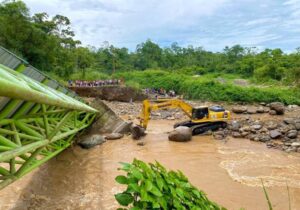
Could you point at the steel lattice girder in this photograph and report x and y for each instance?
(30, 138)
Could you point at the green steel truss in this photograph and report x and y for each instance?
(41, 127)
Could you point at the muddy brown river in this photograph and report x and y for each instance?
(230, 172)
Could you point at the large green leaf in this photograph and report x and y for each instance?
(155, 191)
(124, 199)
(135, 208)
(148, 185)
(180, 192)
(121, 179)
(160, 183)
(125, 166)
(137, 174)
(135, 187)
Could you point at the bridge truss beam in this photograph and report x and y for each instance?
(40, 128)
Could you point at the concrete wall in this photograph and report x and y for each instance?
(107, 121)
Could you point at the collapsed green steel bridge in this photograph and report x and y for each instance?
(39, 118)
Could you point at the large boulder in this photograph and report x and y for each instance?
(297, 125)
(264, 138)
(90, 141)
(219, 135)
(260, 109)
(293, 106)
(286, 128)
(289, 121)
(271, 125)
(278, 107)
(292, 134)
(295, 144)
(274, 134)
(239, 109)
(236, 135)
(137, 132)
(181, 134)
(251, 110)
(235, 125)
(166, 114)
(256, 127)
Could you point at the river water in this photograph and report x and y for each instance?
(230, 172)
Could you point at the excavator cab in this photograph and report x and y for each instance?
(200, 113)
(205, 113)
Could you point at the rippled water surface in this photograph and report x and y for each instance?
(229, 172)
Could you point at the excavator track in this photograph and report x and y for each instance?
(199, 128)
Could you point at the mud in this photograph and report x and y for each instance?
(230, 172)
(111, 93)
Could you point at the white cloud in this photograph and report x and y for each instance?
(261, 21)
(212, 24)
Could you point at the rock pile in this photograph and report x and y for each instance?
(275, 108)
(250, 110)
(284, 135)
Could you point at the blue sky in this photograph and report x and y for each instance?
(212, 24)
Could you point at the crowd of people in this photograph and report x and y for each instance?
(95, 83)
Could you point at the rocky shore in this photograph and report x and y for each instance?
(276, 125)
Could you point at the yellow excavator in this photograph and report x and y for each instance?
(202, 118)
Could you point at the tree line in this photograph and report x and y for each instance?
(48, 43)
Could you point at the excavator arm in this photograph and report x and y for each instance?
(148, 107)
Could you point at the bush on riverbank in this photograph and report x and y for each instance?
(89, 76)
(207, 88)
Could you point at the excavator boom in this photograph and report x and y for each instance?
(162, 104)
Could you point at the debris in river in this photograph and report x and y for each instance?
(90, 141)
(114, 136)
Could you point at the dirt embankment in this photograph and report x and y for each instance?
(111, 93)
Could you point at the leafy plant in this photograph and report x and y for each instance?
(151, 186)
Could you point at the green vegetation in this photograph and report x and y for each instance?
(207, 87)
(90, 75)
(151, 186)
(48, 43)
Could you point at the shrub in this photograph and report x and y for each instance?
(151, 186)
(133, 84)
(207, 88)
(89, 75)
